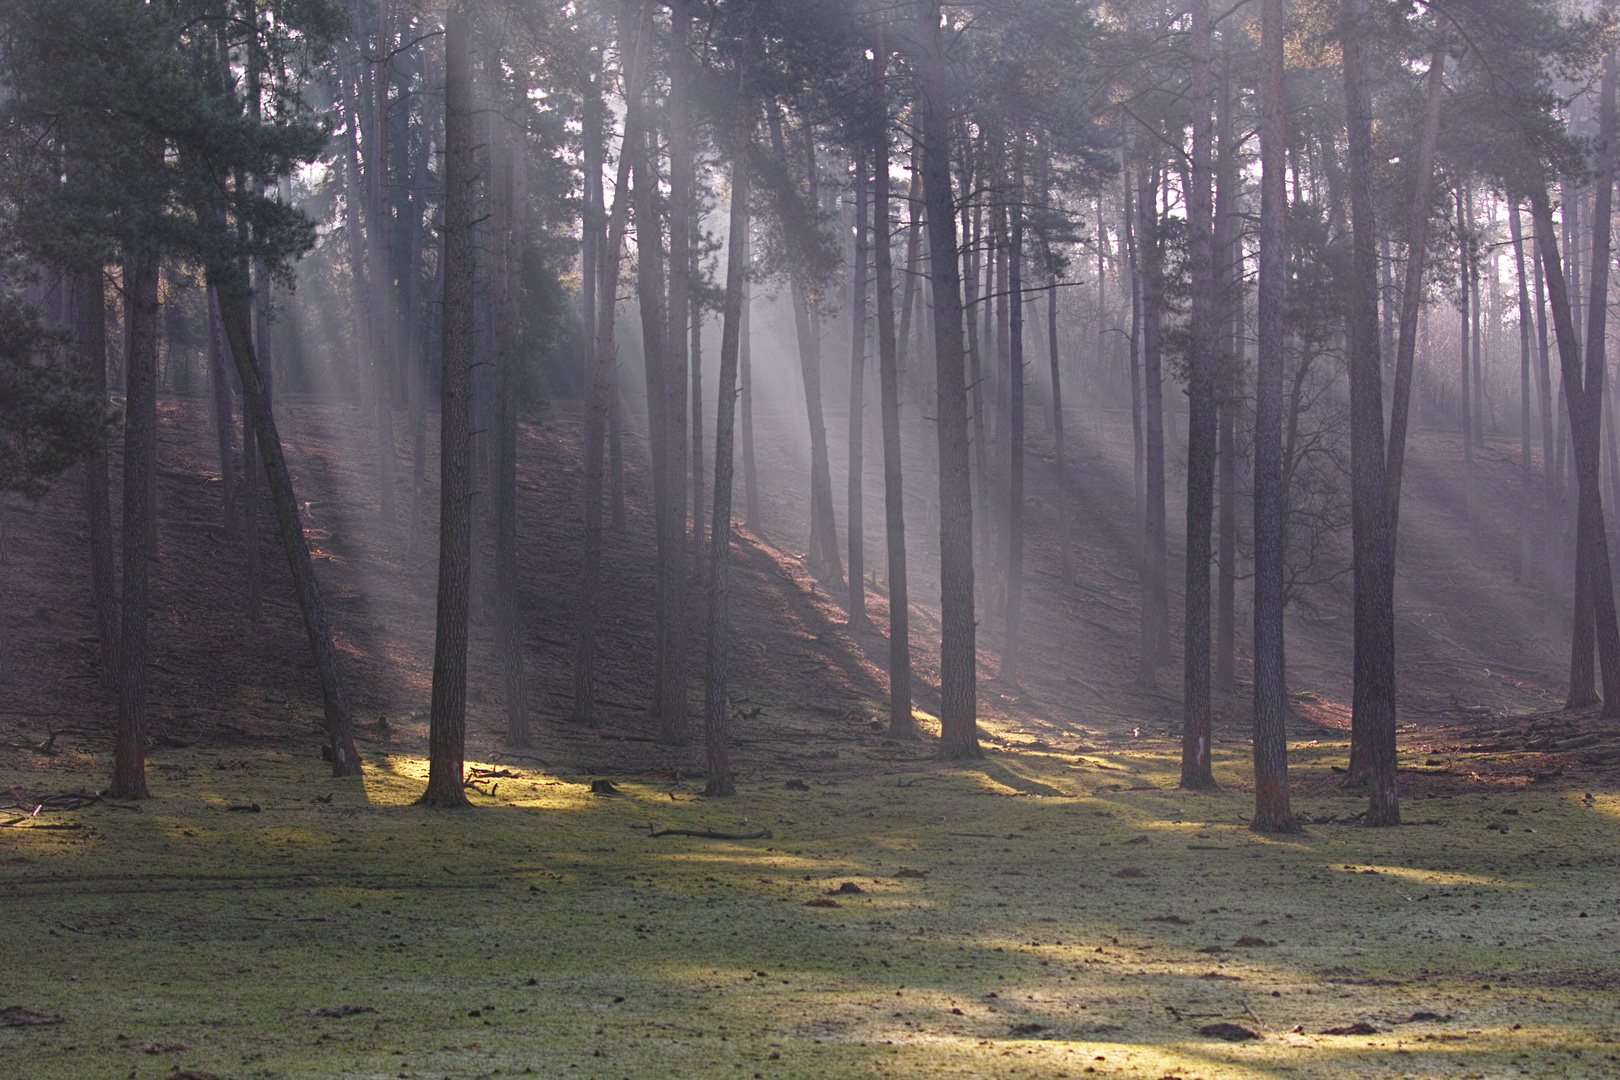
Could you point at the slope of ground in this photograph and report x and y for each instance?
(1075, 912)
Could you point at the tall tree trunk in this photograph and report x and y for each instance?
(826, 562)
(508, 165)
(1229, 308)
(418, 326)
(716, 706)
(959, 729)
(141, 311)
(663, 446)
(447, 726)
(603, 396)
(1551, 573)
(972, 217)
(368, 363)
(1466, 340)
(699, 484)
(1201, 421)
(1478, 351)
(672, 697)
(1594, 588)
(1373, 691)
(857, 406)
(1138, 451)
(752, 518)
(1527, 498)
(1272, 811)
(383, 295)
(224, 415)
(90, 330)
(902, 724)
(1064, 495)
(1013, 620)
(1417, 240)
(1155, 590)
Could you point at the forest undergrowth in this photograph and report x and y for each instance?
(1057, 910)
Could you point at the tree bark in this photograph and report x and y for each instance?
(826, 563)
(1013, 620)
(902, 724)
(1229, 302)
(141, 311)
(603, 393)
(224, 415)
(90, 330)
(1466, 340)
(1594, 615)
(1064, 496)
(672, 697)
(959, 729)
(1201, 422)
(383, 295)
(972, 218)
(699, 484)
(1138, 450)
(1551, 559)
(666, 424)
(1527, 496)
(716, 705)
(1155, 591)
(752, 518)
(448, 717)
(1373, 686)
(508, 151)
(857, 406)
(1272, 810)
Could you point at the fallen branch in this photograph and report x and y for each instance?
(710, 834)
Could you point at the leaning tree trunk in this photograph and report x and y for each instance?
(1201, 424)
(1272, 812)
(959, 728)
(902, 724)
(447, 725)
(1550, 573)
(716, 706)
(141, 309)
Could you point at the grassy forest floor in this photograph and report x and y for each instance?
(1059, 909)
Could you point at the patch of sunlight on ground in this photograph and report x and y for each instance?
(994, 934)
(1429, 877)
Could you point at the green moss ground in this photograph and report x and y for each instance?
(543, 932)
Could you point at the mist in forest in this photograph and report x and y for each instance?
(1279, 331)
